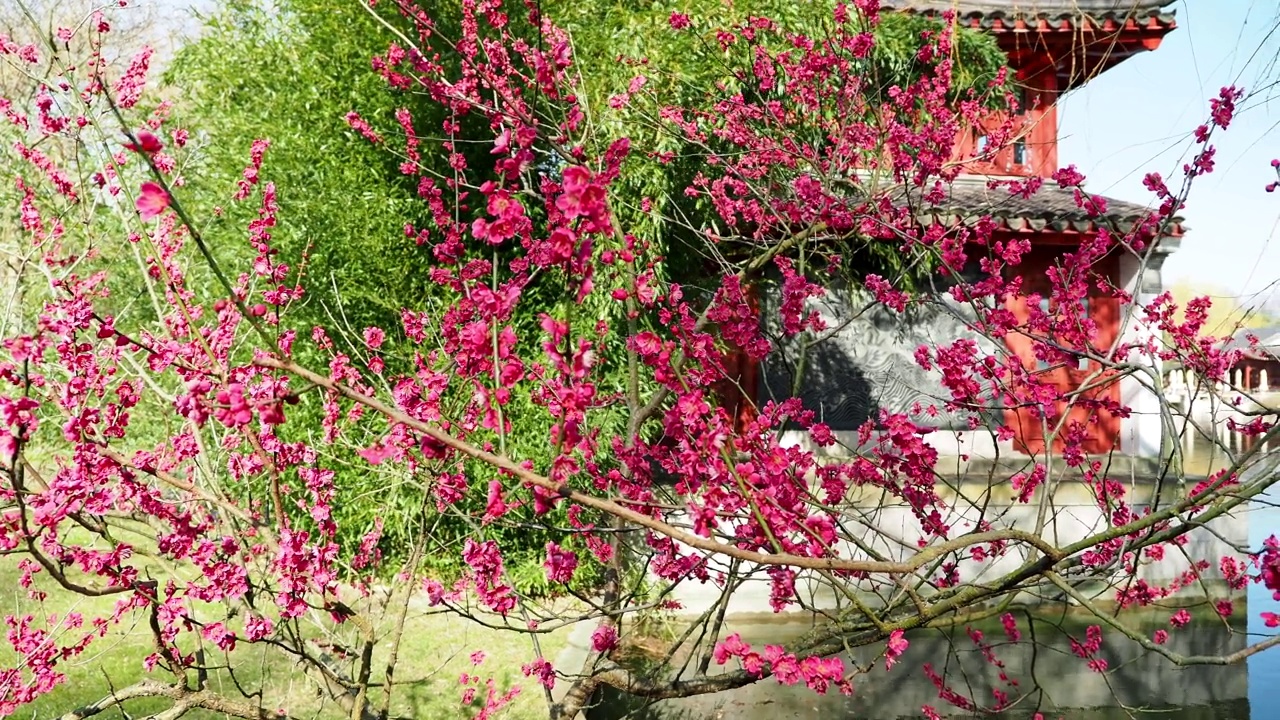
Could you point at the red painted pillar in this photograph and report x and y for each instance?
(738, 391)
(748, 372)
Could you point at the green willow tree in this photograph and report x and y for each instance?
(293, 71)
(616, 42)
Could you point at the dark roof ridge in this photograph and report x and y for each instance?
(1057, 8)
(1051, 207)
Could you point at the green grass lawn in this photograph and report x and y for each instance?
(435, 650)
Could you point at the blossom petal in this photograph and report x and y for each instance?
(152, 200)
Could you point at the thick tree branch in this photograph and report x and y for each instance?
(617, 510)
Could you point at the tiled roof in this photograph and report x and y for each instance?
(1268, 341)
(1050, 208)
(1001, 15)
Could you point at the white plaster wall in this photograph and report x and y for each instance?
(980, 444)
(892, 530)
(1141, 432)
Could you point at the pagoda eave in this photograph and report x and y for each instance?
(1079, 56)
(1080, 39)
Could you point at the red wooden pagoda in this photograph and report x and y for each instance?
(1054, 46)
(865, 363)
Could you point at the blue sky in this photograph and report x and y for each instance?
(1138, 117)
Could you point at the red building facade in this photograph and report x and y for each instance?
(1258, 370)
(1053, 46)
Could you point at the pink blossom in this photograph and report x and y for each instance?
(605, 638)
(130, 85)
(634, 403)
(362, 126)
(219, 635)
(233, 407)
(1010, 627)
(152, 200)
(560, 563)
(147, 144)
(496, 506)
(732, 646)
(886, 293)
(484, 561)
(896, 645)
(542, 670)
(257, 627)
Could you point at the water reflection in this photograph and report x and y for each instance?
(1264, 668)
(1043, 676)
(1200, 456)
(1050, 679)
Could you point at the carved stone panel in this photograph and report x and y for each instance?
(865, 361)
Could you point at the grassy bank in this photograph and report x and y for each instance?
(435, 650)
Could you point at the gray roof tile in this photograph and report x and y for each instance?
(1050, 208)
(1268, 340)
(997, 13)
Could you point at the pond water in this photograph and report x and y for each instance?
(1050, 679)
(1202, 457)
